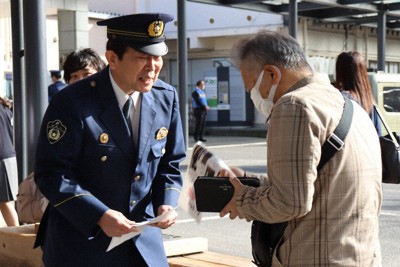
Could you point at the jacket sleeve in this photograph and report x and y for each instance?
(58, 152)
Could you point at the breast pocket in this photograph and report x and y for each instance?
(158, 149)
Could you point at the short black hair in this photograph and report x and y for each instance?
(80, 59)
(118, 47)
(199, 82)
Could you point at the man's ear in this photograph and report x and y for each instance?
(112, 58)
(274, 71)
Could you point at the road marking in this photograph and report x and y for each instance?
(390, 213)
(233, 145)
(209, 218)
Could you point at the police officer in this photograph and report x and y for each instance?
(57, 84)
(200, 108)
(108, 154)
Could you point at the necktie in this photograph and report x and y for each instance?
(126, 111)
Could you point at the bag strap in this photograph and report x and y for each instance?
(386, 126)
(335, 141)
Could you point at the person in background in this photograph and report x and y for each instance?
(8, 165)
(57, 84)
(81, 63)
(108, 154)
(332, 214)
(352, 80)
(200, 108)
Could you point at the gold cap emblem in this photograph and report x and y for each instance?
(103, 138)
(55, 131)
(93, 83)
(156, 28)
(161, 133)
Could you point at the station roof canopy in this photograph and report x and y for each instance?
(350, 12)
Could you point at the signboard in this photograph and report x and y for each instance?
(211, 91)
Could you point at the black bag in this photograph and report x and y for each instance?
(264, 236)
(390, 154)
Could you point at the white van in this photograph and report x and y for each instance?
(386, 89)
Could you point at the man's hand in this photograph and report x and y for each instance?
(114, 223)
(231, 207)
(170, 220)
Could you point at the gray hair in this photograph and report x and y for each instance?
(269, 47)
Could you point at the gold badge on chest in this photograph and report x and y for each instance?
(161, 133)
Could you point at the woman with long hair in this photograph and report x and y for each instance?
(352, 80)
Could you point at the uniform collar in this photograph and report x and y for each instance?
(121, 95)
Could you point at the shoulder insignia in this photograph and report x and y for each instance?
(55, 131)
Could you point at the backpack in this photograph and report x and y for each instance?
(30, 204)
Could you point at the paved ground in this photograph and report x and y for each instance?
(233, 237)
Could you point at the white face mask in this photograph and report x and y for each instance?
(264, 105)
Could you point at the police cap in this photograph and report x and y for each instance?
(56, 73)
(143, 32)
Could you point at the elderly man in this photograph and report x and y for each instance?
(108, 154)
(332, 214)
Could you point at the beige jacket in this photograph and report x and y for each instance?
(332, 214)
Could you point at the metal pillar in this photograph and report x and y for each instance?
(381, 39)
(293, 18)
(182, 68)
(19, 105)
(36, 72)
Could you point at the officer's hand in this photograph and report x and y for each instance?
(170, 220)
(114, 223)
(231, 207)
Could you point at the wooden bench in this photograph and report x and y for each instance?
(209, 259)
(16, 250)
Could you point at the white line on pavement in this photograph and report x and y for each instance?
(209, 218)
(202, 219)
(234, 145)
(390, 213)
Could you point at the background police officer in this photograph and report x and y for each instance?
(200, 107)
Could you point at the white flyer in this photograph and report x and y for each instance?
(115, 241)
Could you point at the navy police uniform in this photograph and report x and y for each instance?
(56, 86)
(86, 163)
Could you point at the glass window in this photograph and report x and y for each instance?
(391, 99)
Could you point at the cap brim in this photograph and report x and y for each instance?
(157, 49)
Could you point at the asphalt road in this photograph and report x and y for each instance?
(233, 237)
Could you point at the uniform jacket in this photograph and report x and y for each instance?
(332, 214)
(55, 88)
(86, 164)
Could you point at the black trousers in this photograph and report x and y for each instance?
(200, 121)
